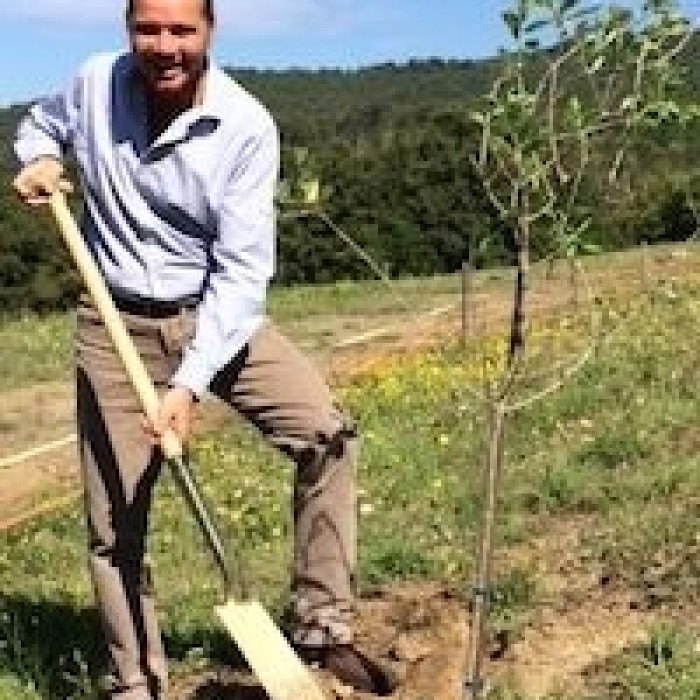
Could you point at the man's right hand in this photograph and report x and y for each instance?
(38, 180)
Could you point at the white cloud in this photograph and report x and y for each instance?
(243, 17)
(265, 16)
(68, 11)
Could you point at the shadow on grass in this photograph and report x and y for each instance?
(226, 690)
(56, 648)
(50, 646)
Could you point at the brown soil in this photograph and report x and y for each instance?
(561, 644)
(578, 620)
(34, 415)
(415, 630)
(420, 631)
(32, 483)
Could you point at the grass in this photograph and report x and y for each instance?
(39, 348)
(35, 349)
(616, 445)
(664, 667)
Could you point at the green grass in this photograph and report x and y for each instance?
(39, 348)
(34, 349)
(616, 444)
(349, 298)
(664, 667)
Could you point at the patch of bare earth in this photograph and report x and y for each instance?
(417, 630)
(578, 620)
(35, 415)
(421, 631)
(34, 479)
(562, 642)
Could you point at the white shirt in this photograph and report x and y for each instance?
(190, 214)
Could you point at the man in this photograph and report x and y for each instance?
(178, 166)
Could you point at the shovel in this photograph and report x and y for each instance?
(280, 671)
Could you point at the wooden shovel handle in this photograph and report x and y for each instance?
(123, 344)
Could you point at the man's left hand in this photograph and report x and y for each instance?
(175, 412)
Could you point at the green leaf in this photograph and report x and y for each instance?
(514, 23)
(536, 26)
(568, 5)
(310, 191)
(585, 12)
(596, 65)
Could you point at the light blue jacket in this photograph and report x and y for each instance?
(190, 214)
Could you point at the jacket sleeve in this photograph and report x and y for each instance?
(47, 129)
(242, 263)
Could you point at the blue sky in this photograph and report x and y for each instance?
(43, 41)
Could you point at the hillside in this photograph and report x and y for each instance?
(340, 116)
(364, 127)
(342, 101)
(595, 571)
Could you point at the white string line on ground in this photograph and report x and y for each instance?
(388, 330)
(36, 451)
(13, 460)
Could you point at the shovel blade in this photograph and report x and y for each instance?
(280, 671)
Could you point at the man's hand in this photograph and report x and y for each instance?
(175, 412)
(38, 180)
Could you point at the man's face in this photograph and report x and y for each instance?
(170, 39)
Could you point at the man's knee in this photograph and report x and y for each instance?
(322, 448)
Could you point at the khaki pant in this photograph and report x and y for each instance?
(273, 386)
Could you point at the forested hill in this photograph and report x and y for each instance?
(313, 102)
(393, 143)
(352, 101)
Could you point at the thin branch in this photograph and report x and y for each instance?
(356, 247)
(490, 190)
(544, 211)
(565, 377)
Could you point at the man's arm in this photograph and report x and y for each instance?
(242, 264)
(234, 297)
(41, 139)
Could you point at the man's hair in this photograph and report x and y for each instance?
(208, 7)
